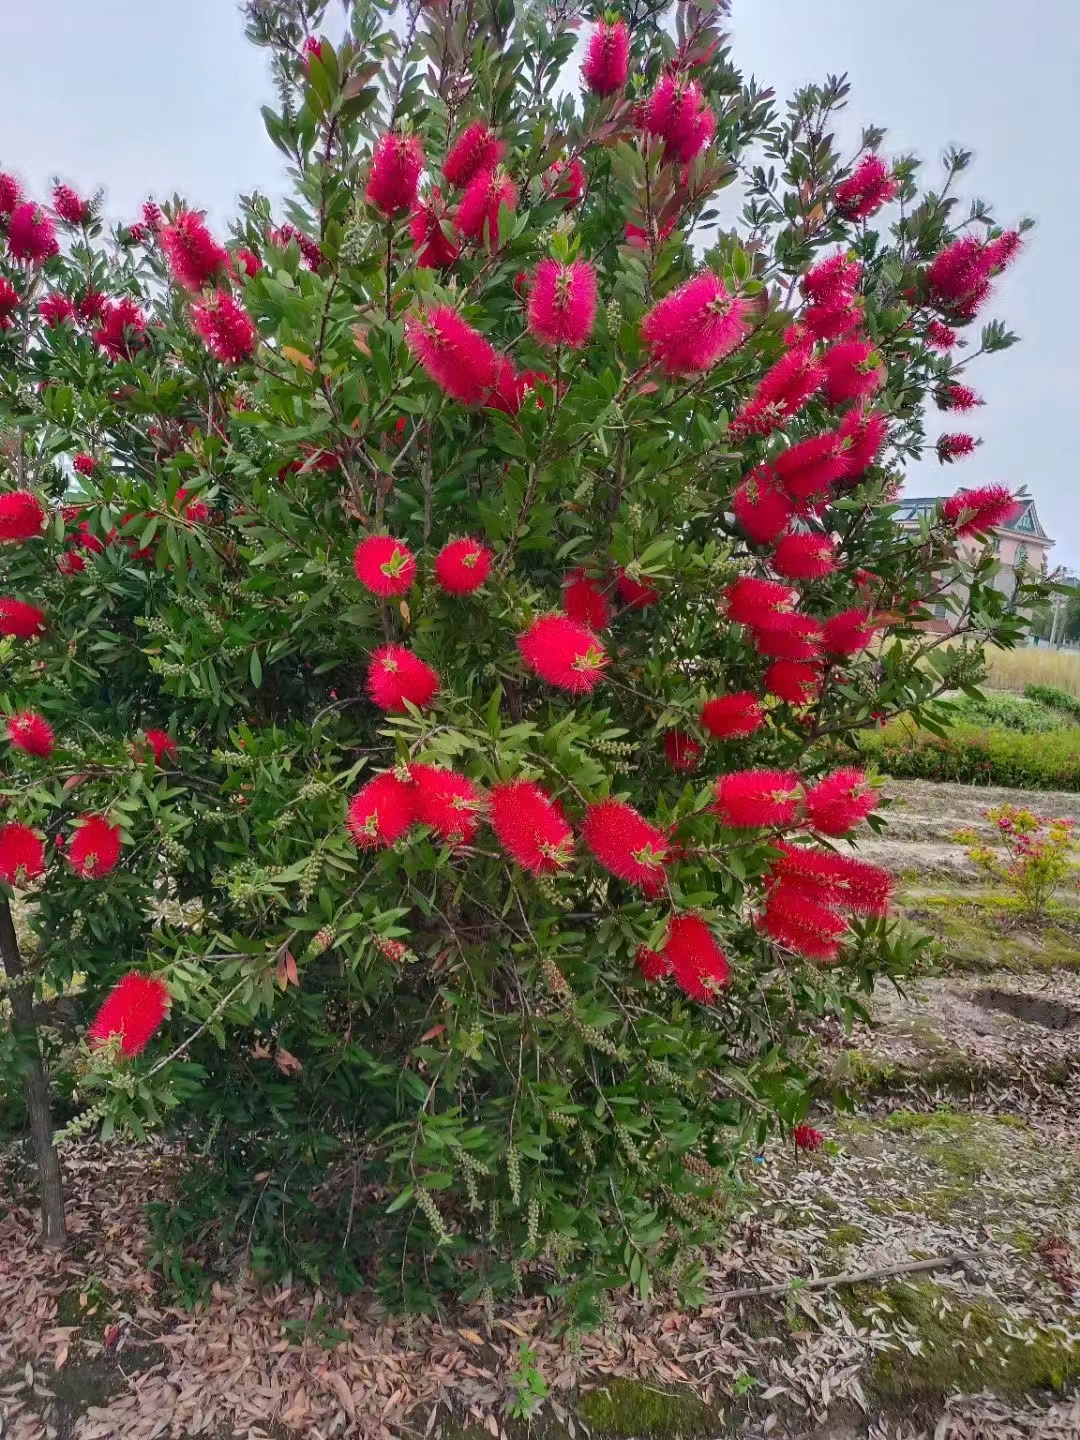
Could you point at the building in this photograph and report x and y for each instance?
(1023, 544)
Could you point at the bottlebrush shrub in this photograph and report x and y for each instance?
(410, 693)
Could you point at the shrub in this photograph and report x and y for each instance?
(978, 756)
(1054, 699)
(415, 512)
(1037, 854)
(1009, 712)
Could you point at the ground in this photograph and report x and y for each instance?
(952, 1138)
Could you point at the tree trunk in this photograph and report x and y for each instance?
(50, 1181)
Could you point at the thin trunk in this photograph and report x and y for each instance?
(50, 1181)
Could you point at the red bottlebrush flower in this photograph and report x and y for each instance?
(973, 512)
(397, 676)
(134, 1009)
(427, 226)
(761, 507)
(509, 388)
(450, 803)
(794, 681)
(310, 249)
(833, 282)
(695, 326)
(626, 843)
(462, 566)
(195, 258)
(476, 150)
(395, 172)
(162, 745)
(563, 653)
(839, 881)
(698, 965)
(651, 964)
(868, 889)
(853, 371)
(801, 923)
(93, 306)
(94, 849)
(456, 356)
(22, 854)
(939, 336)
(22, 515)
(70, 207)
(381, 811)
(682, 751)
(383, 565)
(226, 327)
(957, 276)
(755, 799)
(31, 234)
(584, 600)
(783, 636)
(730, 717)
(70, 563)
(862, 434)
(197, 511)
(531, 826)
(866, 190)
(246, 262)
(641, 239)
(85, 539)
(9, 193)
(562, 303)
(807, 1138)
(847, 632)
(56, 309)
(565, 182)
(636, 594)
(824, 322)
(782, 392)
(32, 733)
(135, 234)
(477, 214)
(835, 805)
(606, 65)
(678, 112)
(808, 470)
(802, 556)
(9, 303)
(83, 463)
(749, 600)
(955, 447)
(152, 216)
(1004, 249)
(20, 620)
(123, 328)
(315, 48)
(958, 397)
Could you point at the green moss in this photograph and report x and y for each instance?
(1022, 1240)
(967, 1347)
(843, 1237)
(986, 934)
(89, 1306)
(632, 1408)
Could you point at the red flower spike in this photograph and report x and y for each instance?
(247, 261)
(69, 206)
(840, 881)
(565, 182)
(729, 717)
(584, 600)
(32, 733)
(563, 653)
(162, 745)
(651, 965)
(455, 356)
(22, 854)
(94, 848)
(682, 751)
(56, 309)
(749, 600)
(475, 151)
(699, 966)
(866, 190)
(31, 234)
(974, 512)
(123, 327)
(606, 66)
(868, 889)
(636, 594)
(226, 328)
(755, 799)
(848, 632)
(678, 112)
(381, 811)
(398, 676)
(955, 447)
(803, 556)
(134, 1010)
(626, 843)
(833, 282)
(450, 803)
(9, 193)
(835, 805)
(781, 393)
(823, 322)
(939, 336)
(435, 249)
(509, 388)
(807, 1138)
(862, 434)
(462, 566)
(477, 214)
(22, 516)
(83, 464)
(531, 826)
(9, 303)
(794, 681)
(853, 371)
(383, 565)
(562, 303)
(694, 326)
(195, 258)
(957, 278)
(783, 636)
(761, 507)
(808, 470)
(395, 172)
(959, 398)
(800, 924)
(20, 620)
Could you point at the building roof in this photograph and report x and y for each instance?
(912, 508)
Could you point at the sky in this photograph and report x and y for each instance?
(159, 99)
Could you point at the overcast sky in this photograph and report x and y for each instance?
(154, 98)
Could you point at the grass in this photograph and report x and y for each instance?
(1032, 665)
(971, 754)
(984, 933)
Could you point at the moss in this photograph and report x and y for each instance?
(843, 1237)
(967, 1346)
(1022, 1240)
(990, 934)
(632, 1408)
(90, 1307)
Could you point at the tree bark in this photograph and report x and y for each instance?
(50, 1181)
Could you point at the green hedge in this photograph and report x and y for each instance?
(997, 711)
(979, 756)
(1055, 699)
